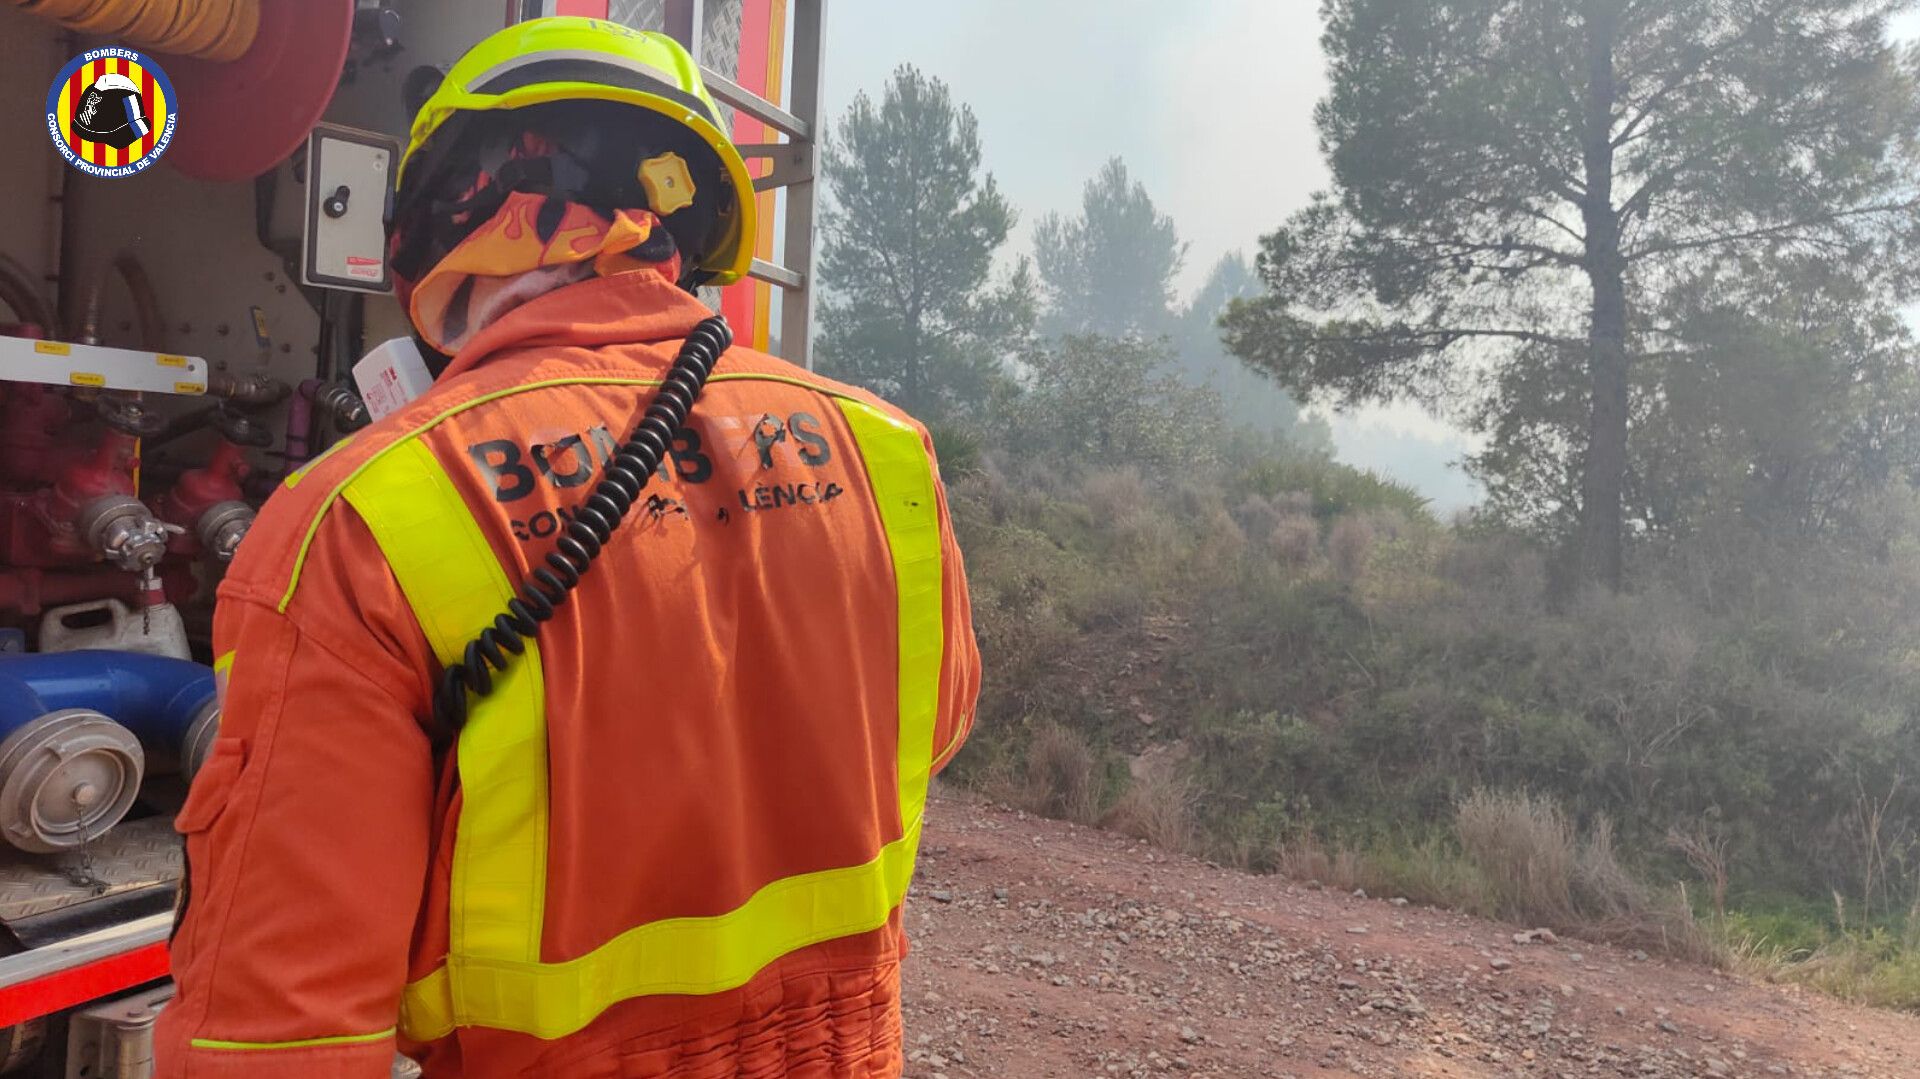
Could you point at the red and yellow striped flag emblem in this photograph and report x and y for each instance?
(111, 112)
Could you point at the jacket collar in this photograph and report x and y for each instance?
(628, 308)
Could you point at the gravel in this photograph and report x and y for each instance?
(1110, 965)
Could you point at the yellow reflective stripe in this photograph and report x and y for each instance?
(222, 673)
(456, 586)
(960, 728)
(304, 1043)
(426, 1007)
(676, 955)
(901, 474)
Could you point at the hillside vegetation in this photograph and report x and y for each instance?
(1260, 655)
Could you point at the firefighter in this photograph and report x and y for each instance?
(670, 833)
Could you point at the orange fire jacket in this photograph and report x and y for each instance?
(693, 864)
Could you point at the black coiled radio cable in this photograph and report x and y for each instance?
(594, 522)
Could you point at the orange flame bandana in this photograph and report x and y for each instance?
(532, 245)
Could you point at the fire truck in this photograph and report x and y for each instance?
(192, 259)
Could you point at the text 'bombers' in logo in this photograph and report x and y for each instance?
(111, 112)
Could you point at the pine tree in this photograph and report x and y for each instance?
(1516, 181)
(912, 307)
(1110, 270)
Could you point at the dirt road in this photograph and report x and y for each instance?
(1041, 949)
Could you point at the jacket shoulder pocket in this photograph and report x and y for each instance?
(212, 786)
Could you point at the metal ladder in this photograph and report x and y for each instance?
(795, 161)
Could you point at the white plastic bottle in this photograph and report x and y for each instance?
(156, 631)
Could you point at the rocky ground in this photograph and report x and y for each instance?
(1041, 949)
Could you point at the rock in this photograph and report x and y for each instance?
(1189, 1035)
(1000, 894)
(1359, 893)
(1667, 1025)
(1500, 963)
(1357, 930)
(1398, 900)
(1716, 1068)
(940, 895)
(1637, 956)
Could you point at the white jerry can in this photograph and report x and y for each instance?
(112, 625)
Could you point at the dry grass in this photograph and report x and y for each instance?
(1061, 778)
(1350, 545)
(1705, 849)
(1602, 887)
(1526, 849)
(1538, 870)
(1158, 807)
(1617, 906)
(1117, 493)
(1308, 860)
(1295, 539)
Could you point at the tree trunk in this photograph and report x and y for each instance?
(1605, 469)
(1601, 487)
(916, 379)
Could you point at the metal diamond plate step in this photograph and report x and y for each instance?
(136, 854)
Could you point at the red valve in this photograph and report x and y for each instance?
(199, 490)
(109, 470)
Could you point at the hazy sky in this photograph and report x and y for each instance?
(1210, 103)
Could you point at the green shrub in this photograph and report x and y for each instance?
(1433, 872)
(956, 448)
